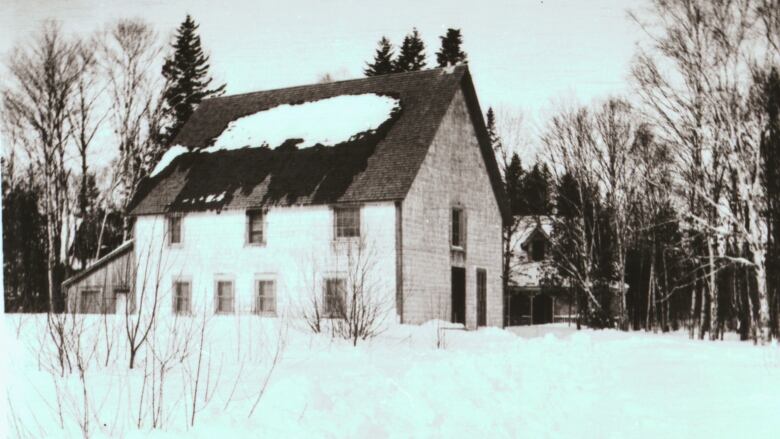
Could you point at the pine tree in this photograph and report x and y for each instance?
(495, 140)
(383, 59)
(412, 56)
(187, 73)
(537, 191)
(513, 184)
(450, 53)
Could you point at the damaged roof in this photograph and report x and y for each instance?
(378, 165)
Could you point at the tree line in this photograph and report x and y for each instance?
(60, 212)
(665, 207)
(412, 57)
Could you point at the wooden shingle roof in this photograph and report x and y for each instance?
(378, 166)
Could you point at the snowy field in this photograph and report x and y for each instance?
(412, 381)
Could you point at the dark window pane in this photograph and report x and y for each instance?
(181, 300)
(334, 297)
(255, 227)
(456, 227)
(266, 296)
(174, 229)
(347, 223)
(224, 296)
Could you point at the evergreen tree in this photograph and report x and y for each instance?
(513, 184)
(495, 140)
(412, 56)
(24, 245)
(450, 53)
(536, 191)
(186, 71)
(383, 59)
(568, 202)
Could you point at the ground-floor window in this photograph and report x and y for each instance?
(334, 297)
(265, 294)
(225, 297)
(182, 297)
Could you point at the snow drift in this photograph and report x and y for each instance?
(539, 381)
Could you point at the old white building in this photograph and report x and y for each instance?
(533, 297)
(415, 203)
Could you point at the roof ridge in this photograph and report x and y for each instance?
(459, 69)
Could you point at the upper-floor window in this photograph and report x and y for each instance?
(181, 297)
(458, 233)
(265, 290)
(225, 296)
(174, 229)
(537, 250)
(333, 300)
(347, 222)
(255, 227)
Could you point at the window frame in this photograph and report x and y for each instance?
(327, 312)
(257, 299)
(461, 233)
(224, 279)
(263, 227)
(175, 296)
(168, 230)
(337, 210)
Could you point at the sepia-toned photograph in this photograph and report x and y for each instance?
(390, 219)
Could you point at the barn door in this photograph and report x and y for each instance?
(459, 295)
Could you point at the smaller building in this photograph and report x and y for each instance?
(106, 286)
(532, 297)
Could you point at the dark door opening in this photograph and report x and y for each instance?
(481, 297)
(459, 295)
(543, 309)
(519, 309)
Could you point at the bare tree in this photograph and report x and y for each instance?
(701, 108)
(42, 82)
(131, 58)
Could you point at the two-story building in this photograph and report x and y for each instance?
(415, 203)
(531, 297)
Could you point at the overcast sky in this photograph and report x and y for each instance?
(522, 53)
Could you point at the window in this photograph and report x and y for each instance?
(347, 222)
(537, 250)
(334, 297)
(255, 220)
(224, 296)
(174, 229)
(481, 297)
(458, 228)
(265, 296)
(181, 297)
(90, 301)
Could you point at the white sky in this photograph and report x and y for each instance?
(522, 53)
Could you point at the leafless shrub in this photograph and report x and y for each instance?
(281, 340)
(359, 306)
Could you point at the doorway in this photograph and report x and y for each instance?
(459, 295)
(481, 297)
(542, 309)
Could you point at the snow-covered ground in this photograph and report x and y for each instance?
(412, 381)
